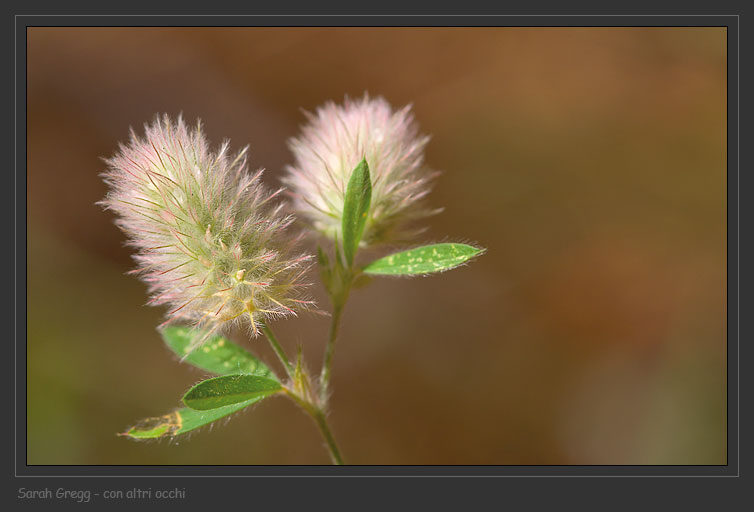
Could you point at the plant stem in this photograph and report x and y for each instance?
(321, 420)
(330, 350)
(307, 402)
(278, 349)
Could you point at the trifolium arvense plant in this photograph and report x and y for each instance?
(218, 249)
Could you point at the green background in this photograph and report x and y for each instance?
(590, 162)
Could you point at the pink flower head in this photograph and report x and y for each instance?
(210, 243)
(334, 142)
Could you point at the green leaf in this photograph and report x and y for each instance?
(228, 390)
(217, 355)
(423, 260)
(181, 421)
(356, 208)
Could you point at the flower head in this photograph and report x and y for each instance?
(210, 243)
(334, 142)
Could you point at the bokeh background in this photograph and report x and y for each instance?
(591, 162)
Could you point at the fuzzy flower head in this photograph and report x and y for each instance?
(210, 244)
(334, 142)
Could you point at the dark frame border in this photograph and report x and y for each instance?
(21, 22)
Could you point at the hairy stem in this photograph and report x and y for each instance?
(330, 350)
(300, 381)
(321, 420)
(319, 417)
(279, 351)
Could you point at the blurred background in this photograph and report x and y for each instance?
(591, 162)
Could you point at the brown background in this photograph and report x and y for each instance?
(589, 161)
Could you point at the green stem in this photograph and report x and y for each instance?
(330, 350)
(278, 349)
(321, 421)
(314, 410)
